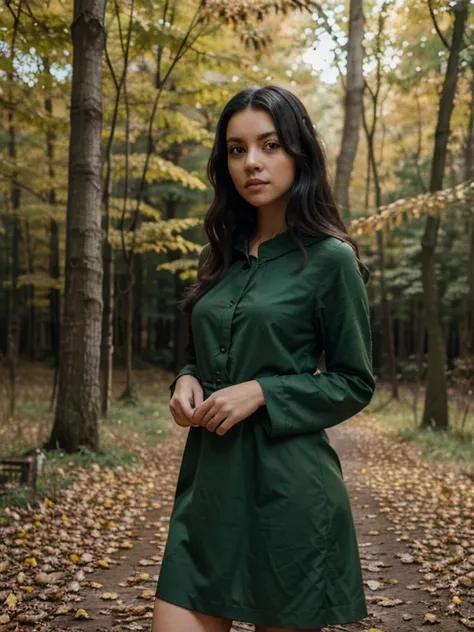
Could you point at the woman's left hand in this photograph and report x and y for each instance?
(226, 407)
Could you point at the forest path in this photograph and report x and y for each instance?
(415, 531)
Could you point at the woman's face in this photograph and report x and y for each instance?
(254, 153)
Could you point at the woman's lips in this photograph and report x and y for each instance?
(256, 187)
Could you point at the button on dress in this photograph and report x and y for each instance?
(262, 530)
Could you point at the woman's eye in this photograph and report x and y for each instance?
(233, 151)
(272, 145)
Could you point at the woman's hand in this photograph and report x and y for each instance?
(226, 407)
(188, 394)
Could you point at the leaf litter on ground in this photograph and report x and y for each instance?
(431, 508)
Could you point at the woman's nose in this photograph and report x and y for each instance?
(253, 159)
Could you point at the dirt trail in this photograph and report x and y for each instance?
(379, 550)
(350, 441)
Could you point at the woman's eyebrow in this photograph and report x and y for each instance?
(236, 139)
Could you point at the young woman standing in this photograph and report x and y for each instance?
(262, 528)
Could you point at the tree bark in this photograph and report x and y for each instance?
(388, 346)
(435, 413)
(352, 107)
(107, 355)
(54, 267)
(78, 406)
(466, 328)
(15, 234)
(30, 298)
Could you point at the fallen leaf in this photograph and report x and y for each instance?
(103, 564)
(11, 601)
(4, 618)
(137, 610)
(96, 585)
(389, 603)
(406, 558)
(81, 614)
(469, 623)
(62, 609)
(146, 563)
(457, 601)
(24, 617)
(430, 618)
(407, 617)
(373, 584)
(109, 596)
(465, 581)
(31, 561)
(41, 579)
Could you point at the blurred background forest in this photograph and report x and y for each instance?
(108, 110)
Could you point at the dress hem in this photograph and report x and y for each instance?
(349, 613)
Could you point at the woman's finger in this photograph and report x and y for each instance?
(178, 414)
(226, 425)
(202, 410)
(198, 394)
(214, 421)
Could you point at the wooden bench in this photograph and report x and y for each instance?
(18, 471)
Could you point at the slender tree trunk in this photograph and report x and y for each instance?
(387, 327)
(30, 294)
(130, 393)
(78, 406)
(435, 413)
(54, 265)
(138, 305)
(352, 107)
(13, 307)
(149, 335)
(466, 327)
(470, 297)
(107, 354)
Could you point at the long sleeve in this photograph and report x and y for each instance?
(190, 367)
(308, 402)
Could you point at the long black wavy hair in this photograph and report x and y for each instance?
(311, 209)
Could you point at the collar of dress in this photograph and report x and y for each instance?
(275, 247)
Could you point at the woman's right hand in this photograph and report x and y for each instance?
(188, 395)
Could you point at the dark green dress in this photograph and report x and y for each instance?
(262, 529)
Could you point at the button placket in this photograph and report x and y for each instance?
(226, 329)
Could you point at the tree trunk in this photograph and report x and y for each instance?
(435, 414)
(107, 354)
(466, 328)
(30, 299)
(54, 269)
(78, 406)
(180, 328)
(388, 345)
(130, 393)
(352, 107)
(12, 300)
(470, 297)
(387, 328)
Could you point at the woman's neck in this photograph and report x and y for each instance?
(269, 224)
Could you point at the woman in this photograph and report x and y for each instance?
(262, 529)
